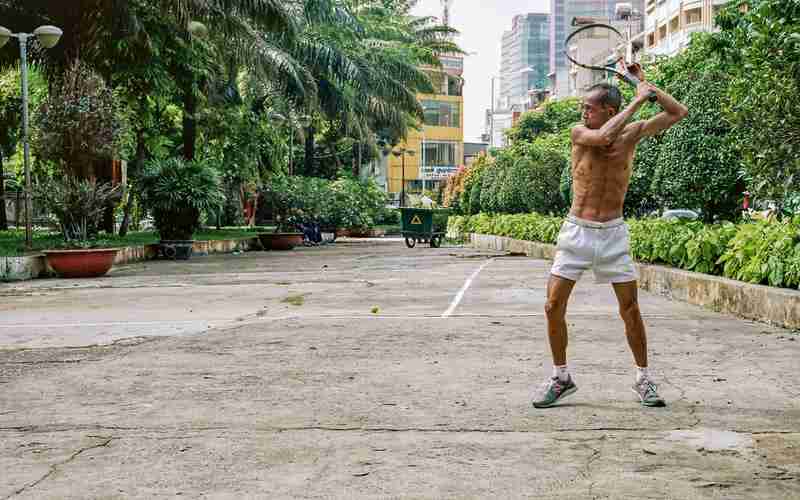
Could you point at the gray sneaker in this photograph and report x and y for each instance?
(556, 390)
(648, 393)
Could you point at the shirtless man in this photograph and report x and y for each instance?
(594, 234)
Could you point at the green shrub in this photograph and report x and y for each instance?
(491, 182)
(387, 216)
(696, 163)
(346, 202)
(77, 204)
(178, 192)
(529, 176)
(765, 251)
(471, 192)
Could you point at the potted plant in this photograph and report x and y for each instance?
(286, 200)
(78, 206)
(177, 192)
(77, 130)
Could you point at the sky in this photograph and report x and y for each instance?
(481, 23)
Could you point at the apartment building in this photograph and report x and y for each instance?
(669, 24)
(436, 150)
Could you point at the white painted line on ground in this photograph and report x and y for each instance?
(460, 294)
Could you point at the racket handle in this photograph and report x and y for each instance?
(652, 97)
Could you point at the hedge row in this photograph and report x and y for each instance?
(763, 251)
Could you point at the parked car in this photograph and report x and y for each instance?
(680, 213)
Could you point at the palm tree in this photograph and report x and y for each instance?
(365, 59)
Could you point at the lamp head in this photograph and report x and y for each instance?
(48, 36)
(5, 35)
(197, 29)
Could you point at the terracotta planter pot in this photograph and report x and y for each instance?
(357, 232)
(280, 241)
(342, 233)
(89, 263)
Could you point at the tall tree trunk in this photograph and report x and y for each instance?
(3, 218)
(189, 123)
(138, 163)
(309, 160)
(108, 220)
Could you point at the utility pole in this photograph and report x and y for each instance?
(491, 118)
(446, 4)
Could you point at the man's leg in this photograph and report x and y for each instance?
(628, 298)
(558, 292)
(560, 384)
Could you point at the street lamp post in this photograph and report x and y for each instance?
(401, 153)
(48, 37)
(303, 121)
(491, 118)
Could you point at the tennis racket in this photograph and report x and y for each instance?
(603, 49)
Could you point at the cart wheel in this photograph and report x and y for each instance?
(435, 242)
(411, 242)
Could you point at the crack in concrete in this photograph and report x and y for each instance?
(780, 383)
(132, 341)
(54, 468)
(692, 407)
(588, 469)
(50, 362)
(80, 428)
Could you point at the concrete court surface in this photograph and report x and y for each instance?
(272, 375)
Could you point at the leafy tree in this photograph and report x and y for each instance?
(550, 117)
(78, 124)
(10, 111)
(695, 163)
(11, 120)
(761, 45)
(532, 175)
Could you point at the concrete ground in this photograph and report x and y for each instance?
(368, 370)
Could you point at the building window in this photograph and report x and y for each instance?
(452, 63)
(694, 16)
(651, 39)
(440, 154)
(674, 25)
(414, 186)
(662, 32)
(441, 114)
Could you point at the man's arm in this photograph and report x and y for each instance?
(608, 133)
(672, 114)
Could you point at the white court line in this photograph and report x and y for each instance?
(460, 294)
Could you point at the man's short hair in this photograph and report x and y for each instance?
(609, 95)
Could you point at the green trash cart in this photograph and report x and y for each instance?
(418, 225)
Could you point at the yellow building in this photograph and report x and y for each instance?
(438, 145)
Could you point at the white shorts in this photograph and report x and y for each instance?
(602, 246)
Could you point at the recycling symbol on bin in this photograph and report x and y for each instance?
(416, 220)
